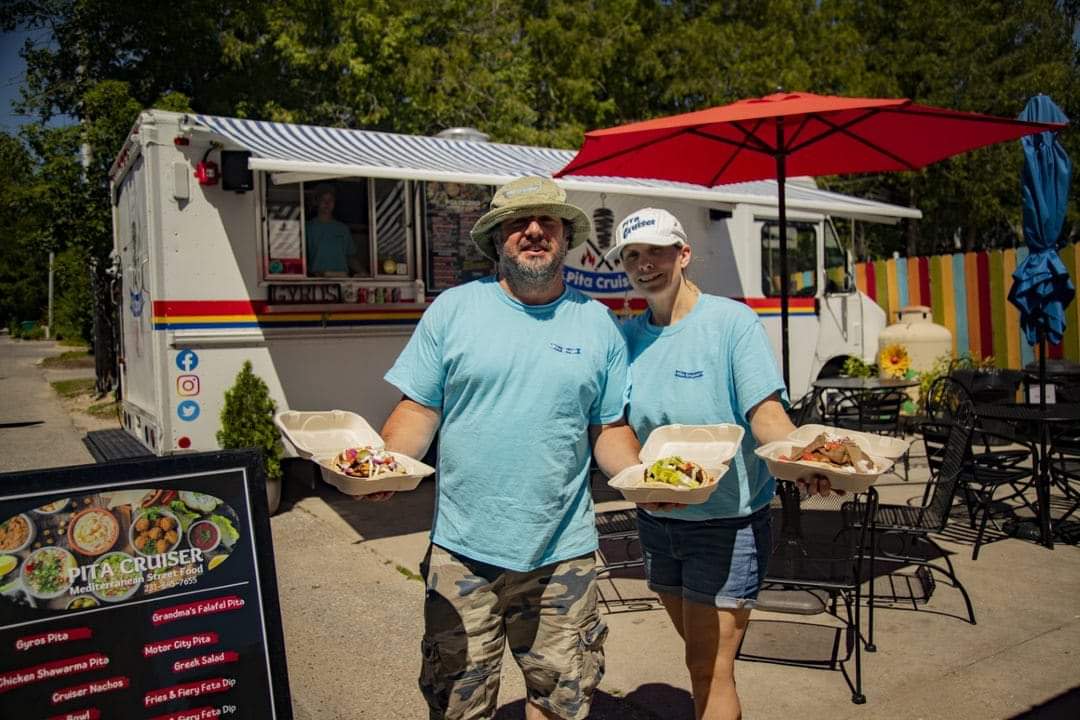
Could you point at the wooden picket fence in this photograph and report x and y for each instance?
(968, 294)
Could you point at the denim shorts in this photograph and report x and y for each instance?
(715, 562)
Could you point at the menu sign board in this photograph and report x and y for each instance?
(140, 590)
(451, 210)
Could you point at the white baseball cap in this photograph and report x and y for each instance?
(648, 226)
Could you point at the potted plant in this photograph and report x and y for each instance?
(247, 421)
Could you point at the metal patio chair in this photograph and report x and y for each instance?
(619, 550)
(806, 409)
(912, 525)
(1065, 473)
(810, 571)
(996, 462)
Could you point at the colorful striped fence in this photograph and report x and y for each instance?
(967, 293)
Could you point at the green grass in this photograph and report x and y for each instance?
(408, 573)
(74, 342)
(73, 388)
(105, 410)
(69, 359)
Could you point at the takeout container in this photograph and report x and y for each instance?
(795, 469)
(882, 446)
(320, 435)
(711, 446)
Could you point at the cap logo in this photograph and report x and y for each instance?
(636, 223)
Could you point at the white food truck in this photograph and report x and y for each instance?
(313, 251)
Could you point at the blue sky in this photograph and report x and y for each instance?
(13, 74)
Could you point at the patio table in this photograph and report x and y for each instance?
(1023, 417)
(851, 385)
(860, 383)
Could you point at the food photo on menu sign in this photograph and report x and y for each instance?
(89, 550)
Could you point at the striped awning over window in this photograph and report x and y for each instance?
(303, 152)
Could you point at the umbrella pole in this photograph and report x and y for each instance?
(781, 206)
(1042, 369)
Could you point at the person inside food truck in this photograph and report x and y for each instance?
(329, 241)
(512, 547)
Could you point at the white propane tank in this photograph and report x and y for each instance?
(924, 340)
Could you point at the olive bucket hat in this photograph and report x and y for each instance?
(524, 197)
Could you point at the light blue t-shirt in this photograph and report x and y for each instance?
(518, 387)
(329, 245)
(713, 366)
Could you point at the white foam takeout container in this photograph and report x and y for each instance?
(320, 435)
(711, 446)
(871, 444)
(795, 469)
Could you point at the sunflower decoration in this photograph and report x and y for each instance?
(894, 361)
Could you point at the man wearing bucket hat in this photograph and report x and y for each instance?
(525, 379)
(698, 359)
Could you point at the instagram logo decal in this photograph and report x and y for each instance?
(187, 385)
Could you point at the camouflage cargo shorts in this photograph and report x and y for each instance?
(549, 617)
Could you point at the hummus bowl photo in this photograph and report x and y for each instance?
(93, 531)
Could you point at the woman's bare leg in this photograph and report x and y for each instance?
(674, 606)
(712, 638)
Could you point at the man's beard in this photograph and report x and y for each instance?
(532, 276)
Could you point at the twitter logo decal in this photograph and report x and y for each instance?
(188, 410)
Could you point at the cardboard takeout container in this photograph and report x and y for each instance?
(794, 469)
(320, 435)
(711, 446)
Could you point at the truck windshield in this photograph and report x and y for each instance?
(802, 259)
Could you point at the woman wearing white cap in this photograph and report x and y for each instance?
(699, 359)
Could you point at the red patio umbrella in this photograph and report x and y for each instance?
(789, 134)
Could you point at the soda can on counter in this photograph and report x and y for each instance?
(395, 295)
(380, 294)
(361, 295)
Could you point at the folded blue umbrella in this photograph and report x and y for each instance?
(1041, 286)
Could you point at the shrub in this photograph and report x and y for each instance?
(74, 312)
(943, 365)
(29, 331)
(247, 420)
(856, 367)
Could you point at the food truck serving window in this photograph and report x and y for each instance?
(802, 259)
(353, 227)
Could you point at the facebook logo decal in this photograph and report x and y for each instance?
(187, 360)
(188, 410)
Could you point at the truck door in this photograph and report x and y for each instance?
(840, 331)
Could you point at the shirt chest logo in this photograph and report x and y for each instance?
(689, 374)
(565, 349)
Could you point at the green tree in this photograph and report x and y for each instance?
(546, 71)
(984, 56)
(247, 420)
(22, 280)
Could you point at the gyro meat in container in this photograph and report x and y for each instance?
(834, 455)
(350, 454)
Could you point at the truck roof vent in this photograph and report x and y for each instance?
(463, 133)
